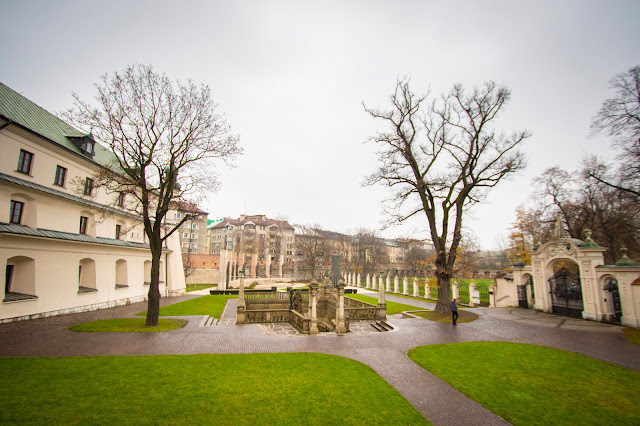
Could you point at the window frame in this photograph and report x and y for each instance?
(121, 198)
(118, 231)
(84, 224)
(88, 186)
(25, 161)
(61, 176)
(12, 212)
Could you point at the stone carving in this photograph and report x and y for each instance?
(561, 248)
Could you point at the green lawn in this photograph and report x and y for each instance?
(129, 325)
(194, 287)
(206, 305)
(632, 335)
(527, 384)
(392, 307)
(238, 389)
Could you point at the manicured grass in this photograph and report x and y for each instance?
(238, 389)
(194, 287)
(632, 335)
(463, 316)
(392, 307)
(211, 305)
(527, 384)
(129, 325)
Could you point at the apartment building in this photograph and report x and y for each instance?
(67, 246)
(193, 232)
(257, 242)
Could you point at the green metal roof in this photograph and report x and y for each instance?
(10, 228)
(22, 111)
(56, 193)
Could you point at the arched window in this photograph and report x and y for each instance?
(87, 223)
(122, 280)
(20, 279)
(87, 276)
(147, 272)
(162, 273)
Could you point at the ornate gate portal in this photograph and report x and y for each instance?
(522, 296)
(566, 294)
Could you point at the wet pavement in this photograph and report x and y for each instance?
(384, 352)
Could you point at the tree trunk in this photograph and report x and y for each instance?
(153, 302)
(444, 284)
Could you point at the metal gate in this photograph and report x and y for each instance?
(522, 296)
(611, 285)
(566, 294)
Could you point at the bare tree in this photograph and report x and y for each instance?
(619, 117)
(369, 251)
(608, 212)
(165, 136)
(439, 157)
(311, 246)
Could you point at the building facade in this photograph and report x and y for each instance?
(193, 232)
(66, 245)
(257, 244)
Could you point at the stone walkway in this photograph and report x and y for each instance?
(386, 353)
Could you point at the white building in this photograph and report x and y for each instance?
(64, 247)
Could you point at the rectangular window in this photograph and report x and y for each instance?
(118, 231)
(194, 245)
(177, 215)
(17, 208)
(121, 199)
(88, 186)
(194, 226)
(185, 245)
(24, 162)
(194, 236)
(61, 176)
(185, 235)
(83, 224)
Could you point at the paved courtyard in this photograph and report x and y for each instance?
(385, 352)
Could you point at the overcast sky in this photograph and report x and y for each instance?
(291, 77)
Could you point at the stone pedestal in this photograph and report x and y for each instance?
(427, 290)
(313, 307)
(388, 286)
(455, 290)
(368, 281)
(416, 288)
(240, 312)
(358, 280)
(254, 265)
(395, 284)
(472, 290)
(340, 324)
(382, 303)
(405, 286)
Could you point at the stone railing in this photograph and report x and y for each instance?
(256, 316)
(358, 310)
(298, 321)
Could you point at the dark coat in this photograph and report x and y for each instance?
(453, 306)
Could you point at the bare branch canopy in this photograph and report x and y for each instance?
(439, 156)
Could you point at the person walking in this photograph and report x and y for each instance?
(454, 311)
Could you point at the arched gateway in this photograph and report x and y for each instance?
(568, 276)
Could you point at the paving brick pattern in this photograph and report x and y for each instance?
(384, 352)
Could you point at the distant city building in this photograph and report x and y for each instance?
(193, 232)
(260, 245)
